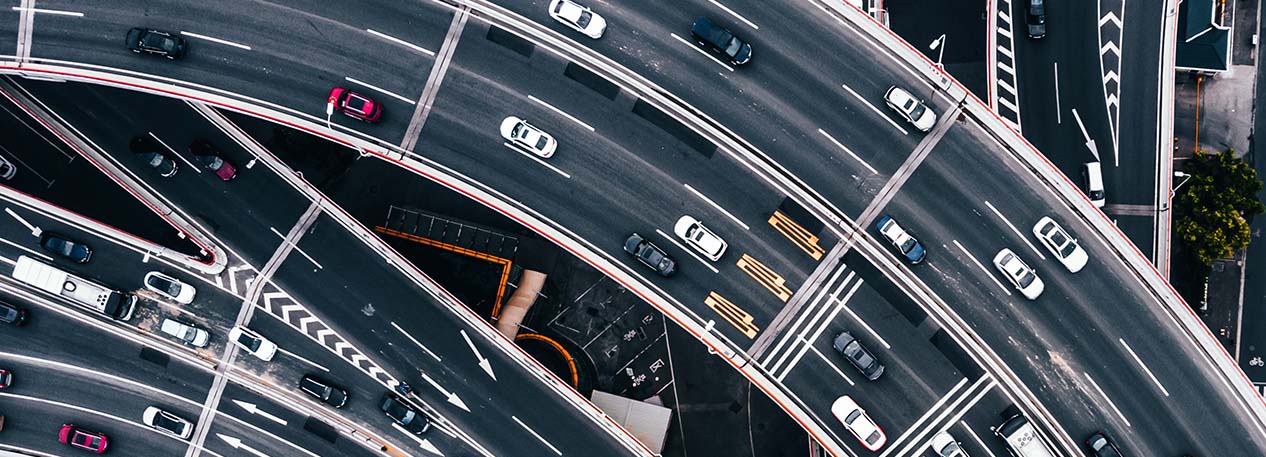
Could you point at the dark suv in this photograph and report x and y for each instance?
(650, 255)
(720, 40)
(1036, 19)
(60, 245)
(399, 411)
(321, 389)
(156, 42)
(851, 348)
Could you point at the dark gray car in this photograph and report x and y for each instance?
(720, 40)
(321, 389)
(1036, 19)
(399, 411)
(650, 255)
(59, 244)
(851, 348)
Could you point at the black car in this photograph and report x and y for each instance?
(650, 255)
(321, 389)
(851, 348)
(60, 245)
(399, 411)
(720, 40)
(13, 315)
(160, 163)
(1101, 446)
(1036, 19)
(213, 159)
(156, 42)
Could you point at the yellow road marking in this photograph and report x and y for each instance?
(797, 234)
(765, 276)
(732, 313)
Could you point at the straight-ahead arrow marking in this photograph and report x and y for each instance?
(1089, 142)
(452, 396)
(251, 408)
(237, 443)
(35, 231)
(483, 363)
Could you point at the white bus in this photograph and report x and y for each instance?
(116, 304)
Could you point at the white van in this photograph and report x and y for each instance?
(1092, 183)
(1022, 438)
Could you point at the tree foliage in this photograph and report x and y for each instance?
(1211, 212)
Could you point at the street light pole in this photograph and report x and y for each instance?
(938, 45)
(1177, 174)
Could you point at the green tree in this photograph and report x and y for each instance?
(1212, 211)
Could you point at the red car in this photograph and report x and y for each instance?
(213, 159)
(355, 105)
(83, 439)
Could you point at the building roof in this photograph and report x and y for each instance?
(1203, 43)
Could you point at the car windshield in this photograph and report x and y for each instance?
(519, 131)
(250, 342)
(1026, 278)
(950, 449)
(165, 422)
(213, 163)
(541, 142)
(907, 243)
(59, 246)
(874, 436)
(917, 111)
(155, 159)
(89, 440)
(154, 40)
(852, 417)
(583, 20)
(732, 47)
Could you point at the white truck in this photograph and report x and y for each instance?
(116, 304)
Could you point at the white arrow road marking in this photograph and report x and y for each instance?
(253, 409)
(237, 443)
(483, 363)
(34, 230)
(1089, 142)
(422, 443)
(452, 396)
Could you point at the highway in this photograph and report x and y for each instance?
(804, 103)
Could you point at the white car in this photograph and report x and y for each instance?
(945, 445)
(169, 287)
(186, 333)
(168, 423)
(578, 17)
(858, 423)
(1064, 247)
(700, 238)
(910, 108)
(253, 343)
(520, 133)
(1019, 274)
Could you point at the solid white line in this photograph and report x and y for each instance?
(673, 240)
(1105, 397)
(309, 362)
(560, 112)
(705, 53)
(789, 332)
(173, 152)
(94, 374)
(859, 320)
(814, 313)
(732, 13)
(1013, 229)
(926, 415)
(718, 207)
(537, 159)
(297, 248)
(822, 327)
(1140, 362)
(828, 361)
(415, 341)
(57, 12)
(982, 268)
(380, 90)
(537, 435)
(876, 110)
(849, 151)
(98, 413)
(401, 42)
(28, 251)
(217, 40)
(1059, 118)
(976, 437)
